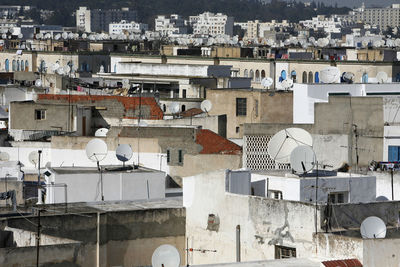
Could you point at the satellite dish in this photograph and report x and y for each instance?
(84, 36)
(20, 36)
(166, 256)
(285, 141)
(381, 77)
(267, 82)
(174, 107)
(397, 42)
(285, 84)
(64, 35)
(290, 82)
(348, 77)
(373, 227)
(206, 106)
(55, 66)
(4, 156)
(96, 150)
(60, 71)
(329, 75)
(57, 37)
(302, 159)
(38, 83)
(102, 132)
(33, 157)
(124, 152)
(67, 69)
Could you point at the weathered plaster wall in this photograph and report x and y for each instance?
(263, 222)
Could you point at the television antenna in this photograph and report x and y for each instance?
(329, 75)
(373, 227)
(96, 151)
(102, 132)
(206, 106)
(124, 153)
(166, 256)
(302, 159)
(381, 77)
(285, 141)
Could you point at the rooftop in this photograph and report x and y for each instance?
(213, 143)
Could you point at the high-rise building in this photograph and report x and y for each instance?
(174, 24)
(212, 24)
(98, 20)
(381, 17)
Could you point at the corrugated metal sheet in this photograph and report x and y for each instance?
(343, 263)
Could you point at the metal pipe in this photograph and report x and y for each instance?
(238, 243)
(38, 185)
(98, 241)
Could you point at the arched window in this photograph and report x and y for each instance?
(283, 75)
(293, 75)
(365, 78)
(42, 66)
(183, 108)
(316, 80)
(251, 75)
(262, 74)
(14, 65)
(246, 73)
(7, 65)
(22, 65)
(310, 77)
(26, 65)
(18, 65)
(257, 76)
(304, 77)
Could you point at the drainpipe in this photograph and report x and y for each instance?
(98, 241)
(238, 243)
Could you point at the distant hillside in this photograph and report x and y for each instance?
(242, 10)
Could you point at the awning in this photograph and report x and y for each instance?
(343, 263)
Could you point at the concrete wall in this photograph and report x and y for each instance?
(127, 238)
(339, 247)
(263, 222)
(12, 185)
(384, 184)
(381, 252)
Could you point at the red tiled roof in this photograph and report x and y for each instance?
(343, 263)
(130, 103)
(213, 143)
(191, 112)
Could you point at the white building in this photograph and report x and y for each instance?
(83, 19)
(329, 25)
(124, 26)
(381, 17)
(257, 29)
(334, 187)
(84, 184)
(174, 24)
(212, 24)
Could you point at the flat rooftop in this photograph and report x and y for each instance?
(313, 174)
(104, 168)
(294, 262)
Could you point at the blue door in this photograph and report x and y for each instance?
(316, 77)
(7, 65)
(393, 153)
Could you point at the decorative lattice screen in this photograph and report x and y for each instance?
(255, 155)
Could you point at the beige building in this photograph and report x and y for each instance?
(250, 106)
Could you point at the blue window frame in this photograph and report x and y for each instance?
(394, 153)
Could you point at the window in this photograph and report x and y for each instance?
(246, 73)
(237, 129)
(168, 156)
(180, 156)
(40, 114)
(183, 94)
(304, 77)
(310, 77)
(241, 106)
(282, 252)
(393, 153)
(337, 197)
(183, 108)
(277, 194)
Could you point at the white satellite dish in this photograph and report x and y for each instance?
(124, 152)
(174, 107)
(64, 35)
(290, 82)
(166, 256)
(285, 85)
(20, 36)
(38, 83)
(4, 156)
(67, 69)
(302, 159)
(33, 157)
(267, 82)
(57, 37)
(60, 71)
(55, 66)
(330, 75)
(96, 150)
(102, 132)
(348, 77)
(373, 227)
(84, 35)
(285, 141)
(206, 106)
(381, 77)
